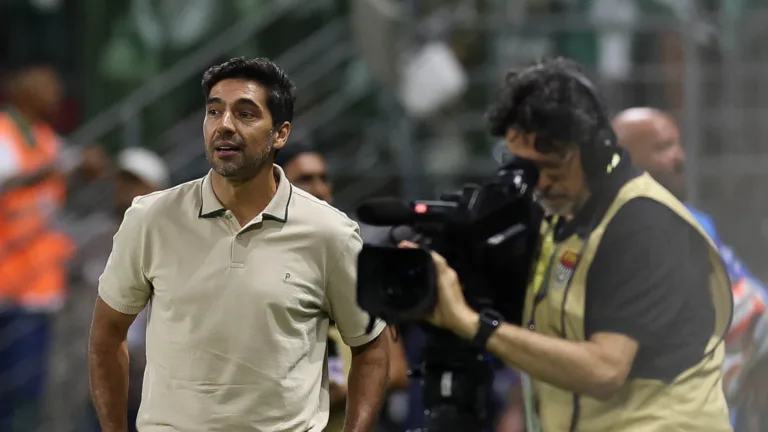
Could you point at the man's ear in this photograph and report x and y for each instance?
(283, 132)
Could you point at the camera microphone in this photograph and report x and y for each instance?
(392, 211)
(384, 212)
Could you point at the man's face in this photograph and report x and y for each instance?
(239, 137)
(562, 188)
(128, 187)
(663, 157)
(43, 91)
(308, 172)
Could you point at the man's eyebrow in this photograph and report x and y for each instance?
(249, 102)
(240, 101)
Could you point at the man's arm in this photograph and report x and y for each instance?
(367, 381)
(123, 292)
(108, 359)
(597, 367)
(366, 384)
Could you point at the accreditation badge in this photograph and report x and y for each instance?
(565, 267)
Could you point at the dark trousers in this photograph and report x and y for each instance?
(24, 341)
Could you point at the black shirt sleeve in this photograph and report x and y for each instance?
(649, 281)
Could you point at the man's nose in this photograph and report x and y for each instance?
(226, 124)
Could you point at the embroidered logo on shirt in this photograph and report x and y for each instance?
(566, 266)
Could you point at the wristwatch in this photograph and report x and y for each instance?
(490, 320)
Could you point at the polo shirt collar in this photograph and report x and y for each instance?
(277, 209)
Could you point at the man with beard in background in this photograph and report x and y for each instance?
(307, 169)
(653, 140)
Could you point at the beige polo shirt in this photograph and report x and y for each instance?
(238, 324)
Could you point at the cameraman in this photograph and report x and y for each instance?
(629, 302)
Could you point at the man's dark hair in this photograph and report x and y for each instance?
(281, 93)
(546, 98)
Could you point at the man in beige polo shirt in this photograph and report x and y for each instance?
(242, 272)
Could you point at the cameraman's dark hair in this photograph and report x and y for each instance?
(547, 99)
(281, 93)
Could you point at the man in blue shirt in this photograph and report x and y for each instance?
(653, 140)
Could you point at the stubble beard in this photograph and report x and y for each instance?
(242, 168)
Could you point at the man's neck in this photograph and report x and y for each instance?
(248, 198)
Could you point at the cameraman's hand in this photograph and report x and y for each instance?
(452, 312)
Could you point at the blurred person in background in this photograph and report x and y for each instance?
(33, 250)
(653, 140)
(138, 172)
(90, 185)
(306, 168)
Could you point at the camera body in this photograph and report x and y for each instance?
(487, 234)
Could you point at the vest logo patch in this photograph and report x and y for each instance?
(566, 266)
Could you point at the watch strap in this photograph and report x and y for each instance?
(490, 320)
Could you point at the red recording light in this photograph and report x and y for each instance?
(420, 208)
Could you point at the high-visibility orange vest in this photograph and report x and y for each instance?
(33, 255)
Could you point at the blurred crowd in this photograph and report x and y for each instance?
(54, 250)
(60, 205)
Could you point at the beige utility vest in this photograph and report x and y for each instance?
(694, 401)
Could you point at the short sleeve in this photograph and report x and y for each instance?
(651, 268)
(123, 285)
(9, 162)
(341, 293)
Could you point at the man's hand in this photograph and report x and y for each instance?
(451, 312)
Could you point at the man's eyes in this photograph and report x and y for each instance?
(242, 114)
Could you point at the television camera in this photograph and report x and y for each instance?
(488, 235)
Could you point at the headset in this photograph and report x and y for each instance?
(600, 156)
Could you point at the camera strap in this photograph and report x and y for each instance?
(540, 277)
(544, 263)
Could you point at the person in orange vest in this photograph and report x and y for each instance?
(33, 253)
